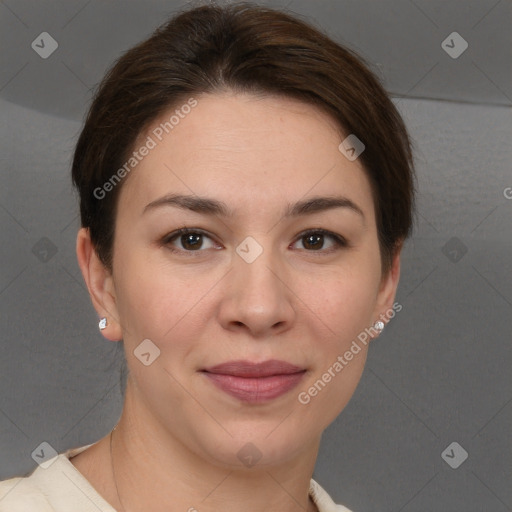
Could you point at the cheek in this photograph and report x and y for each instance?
(161, 302)
(144, 297)
(343, 306)
(343, 311)
(343, 302)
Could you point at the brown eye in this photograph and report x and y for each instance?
(191, 241)
(315, 240)
(188, 240)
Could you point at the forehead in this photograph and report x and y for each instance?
(245, 147)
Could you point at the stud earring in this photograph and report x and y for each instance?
(102, 323)
(379, 326)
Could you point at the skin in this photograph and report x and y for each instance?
(300, 301)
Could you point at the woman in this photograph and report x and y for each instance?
(245, 189)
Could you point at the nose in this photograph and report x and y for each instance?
(257, 297)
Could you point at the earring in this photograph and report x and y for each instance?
(102, 323)
(379, 326)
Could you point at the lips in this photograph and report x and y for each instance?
(248, 369)
(255, 382)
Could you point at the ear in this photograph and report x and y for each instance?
(387, 289)
(100, 284)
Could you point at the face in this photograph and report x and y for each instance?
(279, 260)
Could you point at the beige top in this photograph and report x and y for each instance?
(60, 487)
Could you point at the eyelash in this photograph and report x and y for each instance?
(339, 241)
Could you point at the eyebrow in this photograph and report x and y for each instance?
(208, 206)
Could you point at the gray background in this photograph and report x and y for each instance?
(441, 370)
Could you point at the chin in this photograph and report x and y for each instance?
(254, 445)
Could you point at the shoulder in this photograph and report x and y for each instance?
(56, 486)
(21, 494)
(322, 499)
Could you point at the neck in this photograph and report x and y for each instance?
(151, 469)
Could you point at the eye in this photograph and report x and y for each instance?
(314, 240)
(188, 240)
(191, 240)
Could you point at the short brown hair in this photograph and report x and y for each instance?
(243, 47)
